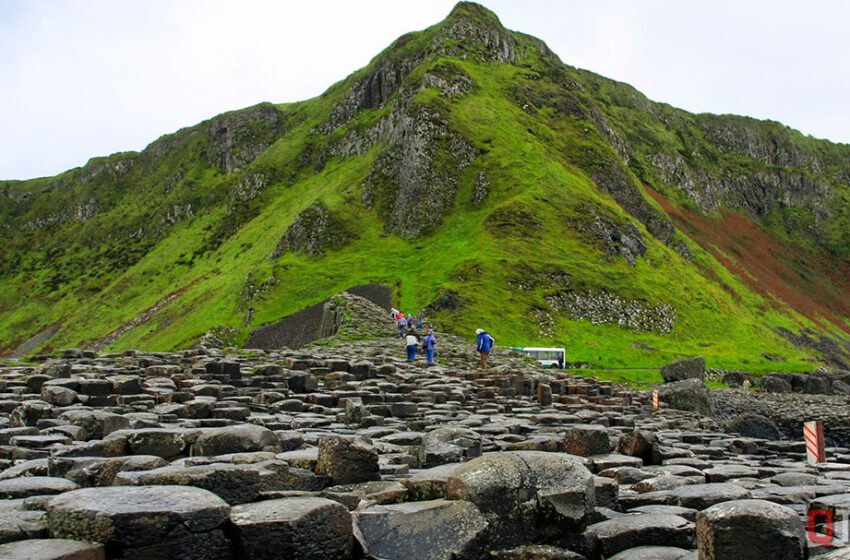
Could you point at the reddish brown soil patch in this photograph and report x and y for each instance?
(816, 286)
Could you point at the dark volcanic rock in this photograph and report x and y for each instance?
(621, 533)
(691, 395)
(432, 530)
(347, 460)
(750, 529)
(525, 495)
(687, 368)
(145, 522)
(294, 528)
(449, 445)
(586, 440)
(755, 426)
(51, 549)
(243, 438)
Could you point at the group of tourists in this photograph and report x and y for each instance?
(410, 329)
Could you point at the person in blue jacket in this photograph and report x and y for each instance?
(485, 345)
(430, 343)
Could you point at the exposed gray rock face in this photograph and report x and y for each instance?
(686, 368)
(314, 231)
(236, 139)
(691, 395)
(413, 184)
(433, 530)
(750, 529)
(624, 240)
(296, 528)
(144, 522)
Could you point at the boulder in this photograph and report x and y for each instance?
(651, 553)
(34, 486)
(96, 424)
(525, 495)
(686, 368)
(235, 484)
(624, 532)
(57, 395)
(449, 445)
(241, 438)
(345, 460)
(750, 529)
(754, 425)
(701, 496)
(51, 549)
(431, 530)
(18, 525)
(586, 440)
(642, 444)
(429, 484)
(535, 552)
(300, 528)
(147, 522)
(774, 384)
(691, 395)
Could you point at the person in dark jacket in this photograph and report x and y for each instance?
(430, 343)
(410, 342)
(485, 345)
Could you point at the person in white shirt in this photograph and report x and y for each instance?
(410, 341)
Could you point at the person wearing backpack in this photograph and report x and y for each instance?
(402, 325)
(430, 343)
(410, 341)
(485, 345)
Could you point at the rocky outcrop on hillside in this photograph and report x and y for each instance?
(314, 231)
(606, 308)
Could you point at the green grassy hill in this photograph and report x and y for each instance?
(480, 177)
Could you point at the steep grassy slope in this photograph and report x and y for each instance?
(471, 170)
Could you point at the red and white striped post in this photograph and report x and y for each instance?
(815, 448)
(655, 404)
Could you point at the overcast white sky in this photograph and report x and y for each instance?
(82, 78)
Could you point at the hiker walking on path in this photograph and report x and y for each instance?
(411, 340)
(394, 313)
(485, 345)
(430, 343)
(410, 321)
(402, 324)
